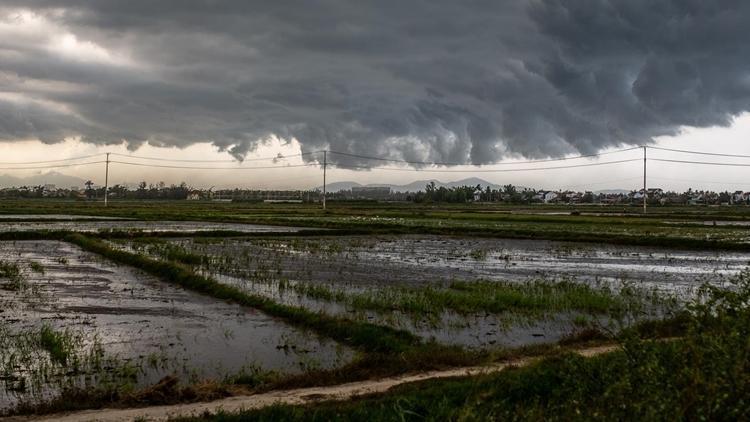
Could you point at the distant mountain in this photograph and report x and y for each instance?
(337, 186)
(52, 178)
(418, 185)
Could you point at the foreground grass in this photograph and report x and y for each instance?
(704, 375)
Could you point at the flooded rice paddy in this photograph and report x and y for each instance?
(9, 225)
(53, 217)
(69, 317)
(395, 280)
(428, 260)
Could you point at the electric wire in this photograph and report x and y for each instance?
(710, 182)
(53, 167)
(139, 157)
(706, 163)
(51, 161)
(211, 168)
(684, 151)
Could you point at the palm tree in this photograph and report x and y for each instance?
(89, 189)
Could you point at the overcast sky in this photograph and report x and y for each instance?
(470, 82)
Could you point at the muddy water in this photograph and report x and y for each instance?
(663, 269)
(10, 225)
(422, 260)
(137, 318)
(359, 264)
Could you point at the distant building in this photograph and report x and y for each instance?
(740, 197)
(696, 199)
(49, 190)
(550, 197)
(370, 192)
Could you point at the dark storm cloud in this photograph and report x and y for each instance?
(468, 81)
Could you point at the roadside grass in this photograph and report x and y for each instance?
(704, 375)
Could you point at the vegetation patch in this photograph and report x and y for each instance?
(60, 345)
(11, 277)
(36, 267)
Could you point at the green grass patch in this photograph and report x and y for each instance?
(58, 344)
(37, 267)
(11, 277)
(533, 297)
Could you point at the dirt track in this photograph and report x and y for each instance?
(297, 396)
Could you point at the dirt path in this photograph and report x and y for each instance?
(297, 396)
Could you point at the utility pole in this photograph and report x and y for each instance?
(106, 181)
(325, 164)
(645, 192)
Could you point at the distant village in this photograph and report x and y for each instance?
(431, 193)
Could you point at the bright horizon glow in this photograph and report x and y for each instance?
(668, 176)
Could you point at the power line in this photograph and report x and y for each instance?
(684, 151)
(483, 170)
(706, 163)
(212, 168)
(710, 182)
(52, 167)
(213, 161)
(394, 160)
(51, 161)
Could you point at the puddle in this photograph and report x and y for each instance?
(158, 328)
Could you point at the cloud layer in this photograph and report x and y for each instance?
(443, 80)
